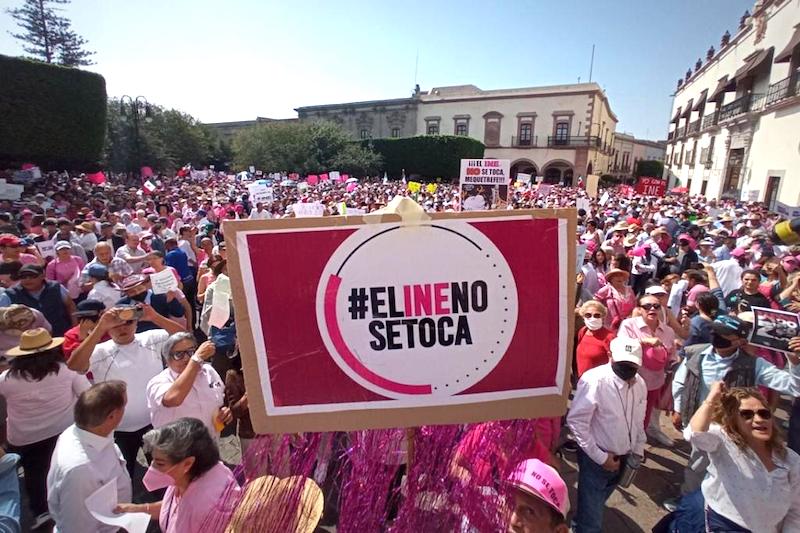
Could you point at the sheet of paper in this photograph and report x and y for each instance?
(101, 503)
(47, 248)
(163, 282)
(311, 209)
(221, 302)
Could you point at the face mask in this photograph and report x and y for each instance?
(140, 297)
(155, 479)
(593, 323)
(624, 370)
(720, 342)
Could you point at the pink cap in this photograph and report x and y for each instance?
(738, 252)
(542, 481)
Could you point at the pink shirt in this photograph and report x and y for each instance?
(62, 271)
(25, 259)
(619, 305)
(202, 503)
(38, 410)
(636, 328)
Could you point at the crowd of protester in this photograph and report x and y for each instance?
(99, 369)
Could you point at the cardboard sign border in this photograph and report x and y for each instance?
(545, 405)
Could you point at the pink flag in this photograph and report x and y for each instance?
(98, 178)
(294, 176)
(343, 177)
(312, 179)
(146, 172)
(351, 186)
(322, 177)
(26, 166)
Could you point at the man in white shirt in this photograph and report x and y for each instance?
(86, 458)
(187, 244)
(607, 420)
(259, 213)
(132, 254)
(130, 357)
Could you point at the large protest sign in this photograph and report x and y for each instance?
(379, 322)
(592, 182)
(484, 183)
(308, 209)
(260, 192)
(651, 186)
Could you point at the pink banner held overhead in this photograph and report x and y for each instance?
(324, 177)
(28, 166)
(343, 177)
(352, 186)
(312, 180)
(146, 172)
(98, 178)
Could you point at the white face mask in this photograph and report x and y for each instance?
(593, 323)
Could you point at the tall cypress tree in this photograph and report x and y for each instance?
(47, 35)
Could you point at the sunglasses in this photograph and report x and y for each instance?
(748, 414)
(648, 307)
(183, 354)
(592, 315)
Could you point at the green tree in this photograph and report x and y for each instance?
(651, 169)
(306, 148)
(47, 35)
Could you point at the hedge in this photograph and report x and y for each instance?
(430, 156)
(50, 115)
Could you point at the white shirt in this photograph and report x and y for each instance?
(607, 414)
(739, 487)
(87, 241)
(82, 462)
(38, 410)
(106, 293)
(259, 215)
(202, 402)
(126, 252)
(474, 203)
(729, 275)
(186, 247)
(135, 364)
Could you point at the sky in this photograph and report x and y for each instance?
(225, 60)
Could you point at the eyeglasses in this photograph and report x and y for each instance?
(648, 307)
(748, 414)
(183, 354)
(592, 315)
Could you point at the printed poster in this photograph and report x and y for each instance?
(651, 186)
(380, 323)
(773, 329)
(484, 184)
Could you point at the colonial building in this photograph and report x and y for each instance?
(627, 151)
(559, 132)
(735, 127)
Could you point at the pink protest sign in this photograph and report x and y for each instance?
(146, 172)
(351, 187)
(97, 178)
(343, 177)
(324, 177)
(312, 180)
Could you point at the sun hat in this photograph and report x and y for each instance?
(88, 227)
(617, 272)
(620, 226)
(541, 481)
(266, 498)
(630, 241)
(132, 281)
(63, 245)
(625, 350)
(34, 341)
(707, 242)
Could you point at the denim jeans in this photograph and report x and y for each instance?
(595, 485)
(9, 494)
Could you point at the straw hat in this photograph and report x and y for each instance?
(264, 504)
(35, 341)
(617, 272)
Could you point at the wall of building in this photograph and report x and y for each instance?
(375, 119)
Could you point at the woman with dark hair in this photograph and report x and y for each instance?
(753, 481)
(40, 392)
(599, 261)
(186, 462)
(700, 325)
(214, 268)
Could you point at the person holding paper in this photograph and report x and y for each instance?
(66, 269)
(186, 462)
(86, 458)
(158, 265)
(187, 387)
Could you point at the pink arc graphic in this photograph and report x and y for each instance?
(332, 324)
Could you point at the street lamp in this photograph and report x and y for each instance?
(136, 108)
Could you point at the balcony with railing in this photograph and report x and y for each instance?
(670, 135)
(572, 141)
(525, 142)
(782, 90)
(748, 103)
(693, 127)
(710, 120)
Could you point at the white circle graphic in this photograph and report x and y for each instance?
(415, 311)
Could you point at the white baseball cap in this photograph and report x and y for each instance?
(627, 350)
(655, 290)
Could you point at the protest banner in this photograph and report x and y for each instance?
(543, 189)
(334, 175)
(390, 322)
(10, 191)
(627, 191)
(431, 188)
(312, 179)
(787, 211)
(605, 198)
(523, 178)
(163, 282)
(309, 209)
(47, 248)
(414, 186)
(484, 183)
(772, 329)
(592, 182)
(260, 192)
(651, 186)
